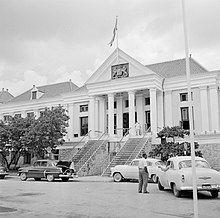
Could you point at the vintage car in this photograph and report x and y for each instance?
(3, 172)
(177, 175)
(121, 172)
(48, 169)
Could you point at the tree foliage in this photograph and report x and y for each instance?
(33, 135)
(172, 148)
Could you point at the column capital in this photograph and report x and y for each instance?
(130, 92)
(111, 94)
(214, 86)
(203, 87)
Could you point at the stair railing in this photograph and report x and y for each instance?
(135, 150)
(90, 150)
(94, 152)
(120, 149)
(81, 141)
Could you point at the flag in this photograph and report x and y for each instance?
(114, 32)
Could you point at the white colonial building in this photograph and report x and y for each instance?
(123, 91)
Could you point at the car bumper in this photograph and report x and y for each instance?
(66, 176)
(205, 187)
(3, 173)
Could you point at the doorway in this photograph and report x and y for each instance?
(125, 122)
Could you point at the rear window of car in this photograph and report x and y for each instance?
(188, 164)
(158, 163)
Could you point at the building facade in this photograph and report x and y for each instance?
(123, 91)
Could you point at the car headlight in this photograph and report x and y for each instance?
(183, 178)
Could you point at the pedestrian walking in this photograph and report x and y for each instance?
(143, 174)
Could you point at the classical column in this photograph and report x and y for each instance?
(111, 114)
(214, 108)
(153, 110)
(204, 109)
(131, 97)
(140, 111)
(120, 116)
(97, 134)
(160, 110)
(91, 124)
(102, 114)
(168, 108)
(70, 127)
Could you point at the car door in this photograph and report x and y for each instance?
(33, 172)
(132, 170)
(169, 174)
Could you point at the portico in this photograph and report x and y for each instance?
(121, 92)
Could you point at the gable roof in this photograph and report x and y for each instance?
(5, 96)
(49, 91)
(175, 68)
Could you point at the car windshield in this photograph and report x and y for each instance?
(188, 163)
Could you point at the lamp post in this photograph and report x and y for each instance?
(195, 198)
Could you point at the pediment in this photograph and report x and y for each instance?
(118, 57)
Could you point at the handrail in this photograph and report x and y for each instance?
(81, 141)
(91, 156)
(91, 148)
(147, 131)
(90, 151)
(128, 129)
(117, 152)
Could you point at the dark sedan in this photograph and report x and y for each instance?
(3, 172)
(48, 169)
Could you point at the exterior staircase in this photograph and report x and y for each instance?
(85, 152)
(128, 152)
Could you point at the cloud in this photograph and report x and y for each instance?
(30, 78)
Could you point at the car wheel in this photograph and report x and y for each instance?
(65, 179)
(214, 194)
(161, 188)
(176, 192)
(50, 178)
(37, 179)
(2, 176)
(23, 176)
(154, 178)
(117, 177)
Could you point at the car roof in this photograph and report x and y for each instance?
(150, 159)
(180, 158)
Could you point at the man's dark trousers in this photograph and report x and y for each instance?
(143, 180)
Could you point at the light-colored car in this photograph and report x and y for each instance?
(121, 172)
(177, 175)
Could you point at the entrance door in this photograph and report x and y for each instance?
(147, 120)
(125, 122)
(185, 117)
(83, 126)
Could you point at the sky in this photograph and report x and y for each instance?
(50, 41)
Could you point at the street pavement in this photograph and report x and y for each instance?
(96, 197)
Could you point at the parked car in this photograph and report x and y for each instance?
(121, 172)
(177, 175)
(48, 169)
(3, 172)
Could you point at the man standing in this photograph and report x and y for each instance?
(143, 174)
(138, 128)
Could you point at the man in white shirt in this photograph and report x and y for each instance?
(143, 175)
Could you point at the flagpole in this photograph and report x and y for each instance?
(117, 41)
(195, 197)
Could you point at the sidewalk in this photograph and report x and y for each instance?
(94, 179)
